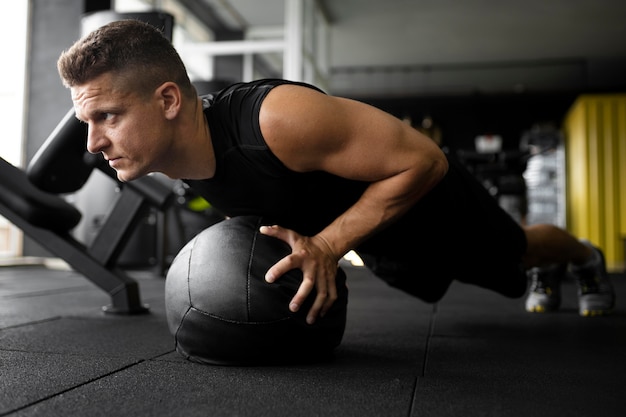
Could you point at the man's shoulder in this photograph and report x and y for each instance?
(245, 95)
(261, 86)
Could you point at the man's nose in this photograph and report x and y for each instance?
(96, 142)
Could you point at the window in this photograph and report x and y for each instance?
(13, 33)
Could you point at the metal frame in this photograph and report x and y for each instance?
(97, 262)
(300, 61)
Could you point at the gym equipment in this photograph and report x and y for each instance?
(30, 200)
(62, 165)
(221, 310)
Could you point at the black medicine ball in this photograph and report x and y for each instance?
(221, 310)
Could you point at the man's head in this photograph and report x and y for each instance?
(129, 85)
(138, 54)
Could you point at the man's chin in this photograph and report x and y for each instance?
(125, 176)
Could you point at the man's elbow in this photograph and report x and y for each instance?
(440, 165)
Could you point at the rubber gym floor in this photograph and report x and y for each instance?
(474, 353)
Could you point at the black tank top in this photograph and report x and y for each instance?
(455, 225)
(250, 180)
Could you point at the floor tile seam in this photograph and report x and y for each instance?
(429, 336)
(97, 315)
(74, 387)
(84, 383)
(75, 317)
(158, 357)
(48, 352)
(30, 323)
(421, 376)
(134, 358)
(43, 293)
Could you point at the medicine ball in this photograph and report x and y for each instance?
(221, 310)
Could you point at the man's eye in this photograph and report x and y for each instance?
(107, 116)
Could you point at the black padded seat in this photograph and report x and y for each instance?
(37, 207)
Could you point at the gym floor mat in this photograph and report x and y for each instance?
(473, 353)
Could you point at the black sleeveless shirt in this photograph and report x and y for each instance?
(250, 180)
(447, 235)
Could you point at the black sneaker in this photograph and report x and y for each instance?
(544, 294)
(596, 296)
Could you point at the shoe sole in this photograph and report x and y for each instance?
(540, 308)
(595, 307)
(594, 313)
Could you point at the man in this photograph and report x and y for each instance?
(328, 174)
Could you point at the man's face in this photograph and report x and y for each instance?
(129, 130)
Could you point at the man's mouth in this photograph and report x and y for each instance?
(113, 161)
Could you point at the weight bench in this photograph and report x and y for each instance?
(30, 200)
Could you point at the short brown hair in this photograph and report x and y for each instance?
(135, 50)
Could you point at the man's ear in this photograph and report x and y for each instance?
(170, 96)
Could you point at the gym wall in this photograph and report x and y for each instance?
(53, 27)
(595, 143)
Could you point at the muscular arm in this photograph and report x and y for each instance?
(309, 131)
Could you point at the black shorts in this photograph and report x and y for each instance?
(457, 232)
